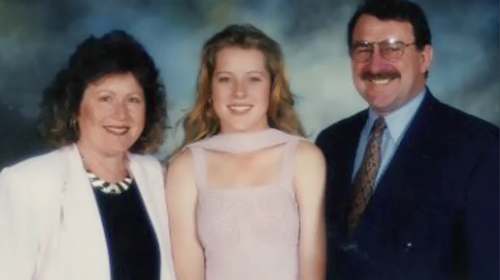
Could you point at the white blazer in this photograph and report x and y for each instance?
(50, 227)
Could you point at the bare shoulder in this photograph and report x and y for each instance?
(308, 153)
(310, 170)
(180, 168)
(180, 161)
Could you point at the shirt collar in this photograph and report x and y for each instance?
(398, 121)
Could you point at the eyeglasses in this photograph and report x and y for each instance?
(389, 49)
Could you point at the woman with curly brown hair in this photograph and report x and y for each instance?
(245, 190)
(94, 208)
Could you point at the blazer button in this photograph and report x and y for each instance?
(408, 247)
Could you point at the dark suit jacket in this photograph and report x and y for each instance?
(435, 212)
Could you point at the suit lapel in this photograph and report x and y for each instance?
(343, 168)
(404, 180)
(156, 213)
(147, 197)
(81, 220)
(351, 149)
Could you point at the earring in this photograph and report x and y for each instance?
(72, 123)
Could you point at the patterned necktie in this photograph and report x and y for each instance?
(365, 178)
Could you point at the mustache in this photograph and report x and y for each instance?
(367, 75)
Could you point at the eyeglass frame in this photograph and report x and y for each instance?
(370, 46)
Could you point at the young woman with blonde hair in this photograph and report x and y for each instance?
(245, 189)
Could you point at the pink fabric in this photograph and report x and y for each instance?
(248, 232)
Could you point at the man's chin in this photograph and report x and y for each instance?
(381, 104)
(378, 98)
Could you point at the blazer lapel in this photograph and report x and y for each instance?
(351, 146)
(147, 197)
(344, 166)
(82, 221)
(403, 182)
(156, 209)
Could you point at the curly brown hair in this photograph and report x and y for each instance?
(201, 121)
(116, 52)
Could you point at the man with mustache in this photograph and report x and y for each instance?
(413, 184)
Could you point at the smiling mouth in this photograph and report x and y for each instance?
(382, 78)
(381, 81)
(117, 130)
(239, 109)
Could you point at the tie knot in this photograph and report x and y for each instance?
(378, 126)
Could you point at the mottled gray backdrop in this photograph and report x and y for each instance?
(37, 36)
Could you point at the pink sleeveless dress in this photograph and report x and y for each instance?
(248, 233)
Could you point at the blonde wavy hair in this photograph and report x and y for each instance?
(201, 121)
